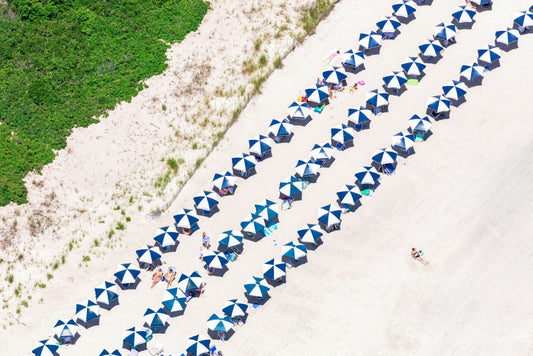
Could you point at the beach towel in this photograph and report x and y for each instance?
(412, 81)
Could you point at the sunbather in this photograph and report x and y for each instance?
(156, 277)
(170, 276)
(418, 256)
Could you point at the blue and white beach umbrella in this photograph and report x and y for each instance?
(134, 336)
(260, 144)
(214, 259)
(418, 123)
(359, 115)
(235, 308)
(66, 329)
(306, 168)
(220, 323)
(198, 344)
(127, 273)
(166, 236)
(384, 156)
(110, 353)
(472, 71)
(334, 75)
(354, 59)
(394, 80)
(280, 127)
(322, 152)
(430, 48)
(488, 54)
(507, 36)
(253, 223)
(267, 209)
(87, 312)
(186, 218)
(174, 300)
(367, 175)
(243, 162)
(148, 254)
(388, 24)
(403, 141)
(454, 90)
(369, 40)
(294, 250)
(463, 14)
(342, 133)
(413, 66)
(256, 287)
(404, 8)
(439, 104)
(155, 318)
(106, 292)
(205, 200)
(290, 186)
(349, 194)
(309, 233)
(377, 98)
(274, 269)
(45, 348)
(444, 31)
(230, 238)
(224, 181)
(190, 282)
(317, 93)
(299, 111)
(523, 19)
(329, 215)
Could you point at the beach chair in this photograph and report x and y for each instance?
(388, 169)
(289, 264)
(419, 137)
(340, 147)
(276, 139)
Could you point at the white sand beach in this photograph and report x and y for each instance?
(462, 198)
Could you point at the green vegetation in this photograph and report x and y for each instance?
(313, 15)
(64, 63)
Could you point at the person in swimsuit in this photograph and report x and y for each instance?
(156, 277)
(417, 256)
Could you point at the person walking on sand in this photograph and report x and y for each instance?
(206, 241)
(418, 256)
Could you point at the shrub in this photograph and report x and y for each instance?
(278, 63)
(263, 60)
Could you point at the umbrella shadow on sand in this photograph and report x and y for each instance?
(300, 122)
(392, 91)
(215, 335)
(109, 306)
(374, 51)
(257, 300)
(90, 323)
(406, 20)
(507, 48)
(171, 248)
(141, 347)
(431, 60)
(354, 70)
(218, 272)
(294, 263)
(311, 246)
(464, 25)
(128, 286)
(473, 82)
(457, 103)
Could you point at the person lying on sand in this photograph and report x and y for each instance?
(417, 256)
(156, 277)
(170, 276)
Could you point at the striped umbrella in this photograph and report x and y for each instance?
(186, 218)
(403, 141)
(134, 336)
(439, 104)
(294, 250)
(220, 323)
(507, 36)
(274, 269)
(224, 181)
(106, 293)
(173, 300)
(444, 31)
(126, 273)
(418, 123)
(523, 19)
(290, 186)
(322, 152)
(367, 175)
(342, 133)
(235, 308)
(384, 156)
(280, 127)
(190, 282)
(215, 259)
(155, 318)
(299, 111)
(471, 71)
(198, 344)
(267, 209)
(205, 200)
(45, 348)
(388, 24)
(110, 353)
(334, 75)
(256, 287)
(306, 169)
(413, 66)
(317, 93)
(404, 8)
(349, 194)
(394, 80)
(329, 215)
(65, 329)
(230, 238)
(454, 90)
(463, 14)
(260, 144)
(488, 54)
(354, 59)
(377, 97)
(87, 312)
(253, 223)
(148, 254)
(368, 40)
(309, 233)
(166, 236)
(359, 115)
(243, 162)
(430, 48)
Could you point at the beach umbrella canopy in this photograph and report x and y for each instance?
(267, 209)
(215, 259)
(377, 97)
(290, 186)
(444, 31)
(294, 250)
(45, 348)
(388, 24)
(173, 300)
(230, 238)
(324, 151)
(454, 90)
(127, 273)
(198, 344)
(110, 353)
(384, 156)
(317, 93)
(403, 141)
(299, 111)
(309, 233)
(274, 269)
(507, 36)
(481, 2)
(205, 200)
(190, 282)
(260, 144)
(106, 292)
(243, 162)
(471, 71)
(524, 19)
(359, 115)
(394, 80)
(342, 133)
(334, 75)
(155, 318)
(220, 323)
(404, 8)
(134, 336)
(430, 48)
(66, 329)
(223, 181)
(280, 127)
(352, 58)
(235, 308)
(413, 66)
(148, 254)
(329, 215)
(166, 236)
(87, 312)
(488, 54)
(463, 14)
(186, 218)
(306, 169)
(418, 123)
(349, 194)
(439, 104)
(253, 223)
(256, 287)
(368, 40)
(367, 175)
